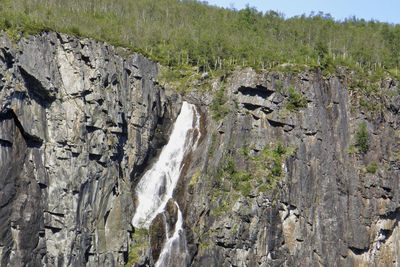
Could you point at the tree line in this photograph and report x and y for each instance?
(190, 32)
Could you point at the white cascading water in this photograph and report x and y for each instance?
(157, 185)
(174, 251)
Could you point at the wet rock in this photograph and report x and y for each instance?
(157, 235)
(171, 216)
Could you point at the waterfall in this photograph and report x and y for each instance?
(174, 251)
(157, 185)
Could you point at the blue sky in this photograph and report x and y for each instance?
(382, 10)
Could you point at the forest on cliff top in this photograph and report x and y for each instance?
(193, 33)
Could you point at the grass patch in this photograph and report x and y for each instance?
(141, 239)
(263, 172)
(180, 79)
(195, 178)
(224, 206)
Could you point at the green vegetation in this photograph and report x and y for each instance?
(367, 88)
(195, 178)
(182, 79)
(224, 206)
(218, 107)
(371, 168)
(205, 245)
(351, 149)
(263, 172)
(267, 165)
(295, 100)
(235, 228)
(141, 242)
(212, 148)
(190, 37)
(279, 86)
(362, 138)
(190, 32)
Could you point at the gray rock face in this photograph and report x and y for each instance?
(77, 125)
(326, 208)
(268, 185)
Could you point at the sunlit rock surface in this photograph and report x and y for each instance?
(81, 122)
(77, 123)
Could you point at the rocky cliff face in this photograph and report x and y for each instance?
(318, 200)
(78, 122)
(278, 181)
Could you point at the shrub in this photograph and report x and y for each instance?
(280, 149)
(371, 168)
(279, 86)
(277, 167)
(7, 23)
(263, 172)
(245, 188)
(230, 167)
(362, 138)
(295, 100)
(218, 107)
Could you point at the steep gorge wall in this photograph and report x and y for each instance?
(324, 208)
(80, 122)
